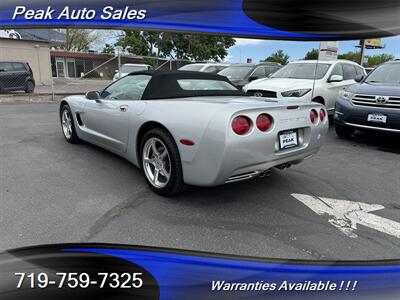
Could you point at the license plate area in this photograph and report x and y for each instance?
(377, 118)
(288, 139)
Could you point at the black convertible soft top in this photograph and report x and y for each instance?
(164, 85)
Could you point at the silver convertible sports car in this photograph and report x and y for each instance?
(190, 128)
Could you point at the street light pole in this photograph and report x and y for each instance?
(362, 54)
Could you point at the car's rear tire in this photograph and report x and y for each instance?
(161, 163)
(68, 125)
(29, 87)
(344, 131)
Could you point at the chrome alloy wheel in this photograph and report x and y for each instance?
(66, 122)
(156, 162)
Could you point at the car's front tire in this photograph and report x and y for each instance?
(344, 131)
(29, 87)
(161, 162)
(68, 125)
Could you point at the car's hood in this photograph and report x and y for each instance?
(239, 81)
(280, 84)
(377, 89)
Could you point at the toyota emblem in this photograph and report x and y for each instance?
(258, 94)
(381, 99)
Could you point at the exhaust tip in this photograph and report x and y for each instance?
(265, 173)
(284, 166)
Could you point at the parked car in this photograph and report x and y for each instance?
(207, 67)
(242, 74)
(16, 76)
(296, 81)
(193, 128)
(373, 103)
(129, 68)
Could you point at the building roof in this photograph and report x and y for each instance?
(61, 53)
(44, 35)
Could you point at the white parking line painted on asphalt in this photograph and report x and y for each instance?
(345, 215)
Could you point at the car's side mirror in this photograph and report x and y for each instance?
(335, 78)
(93, 95)
(116, 71)
(252, 78)
(359, 78)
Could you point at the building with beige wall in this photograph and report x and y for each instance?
(36, 53)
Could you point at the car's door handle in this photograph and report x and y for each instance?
(123, 108)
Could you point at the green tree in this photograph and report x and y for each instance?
(278, 57)
(137, 42)
(80, 39)
(379, 59)
(202, 47)
(312, 54)
(108, 49)
(353, 56)
(176, 45)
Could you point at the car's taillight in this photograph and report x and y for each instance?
(313, 116)
(241, 125)
(264, 122)
(322, 115)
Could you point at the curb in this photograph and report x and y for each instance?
(37, 97)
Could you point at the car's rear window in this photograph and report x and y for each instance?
(19, 67)
(205, 85)
(5, 66)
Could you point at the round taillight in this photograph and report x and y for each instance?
(322, 115)
(264, 122)
(313, 116)
(241, 125)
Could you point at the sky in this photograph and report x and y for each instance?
(261, 49)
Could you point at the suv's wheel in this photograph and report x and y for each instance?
(161, 162)
(29, 87)
(344, 131)
(68, 126)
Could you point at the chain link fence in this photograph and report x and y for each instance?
(34, 69)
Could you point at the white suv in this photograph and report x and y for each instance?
(129, 68)
(296, 81)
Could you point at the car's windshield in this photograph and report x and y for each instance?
(236, 72)
(130, 69)
(387, 74)
(192, 67)
(205, 85)
(302, 71)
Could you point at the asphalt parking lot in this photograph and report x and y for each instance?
(54, 192)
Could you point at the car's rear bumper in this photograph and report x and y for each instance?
(233, 158)
(357, 116)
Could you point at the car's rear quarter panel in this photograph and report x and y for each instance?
(227, 154)
(218, 152)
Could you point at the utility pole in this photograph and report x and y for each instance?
(362, 54)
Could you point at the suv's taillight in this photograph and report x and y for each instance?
(264, 122)
(241, 125)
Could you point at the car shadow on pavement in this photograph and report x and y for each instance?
(387, 142)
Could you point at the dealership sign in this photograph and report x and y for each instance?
(273, 19)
